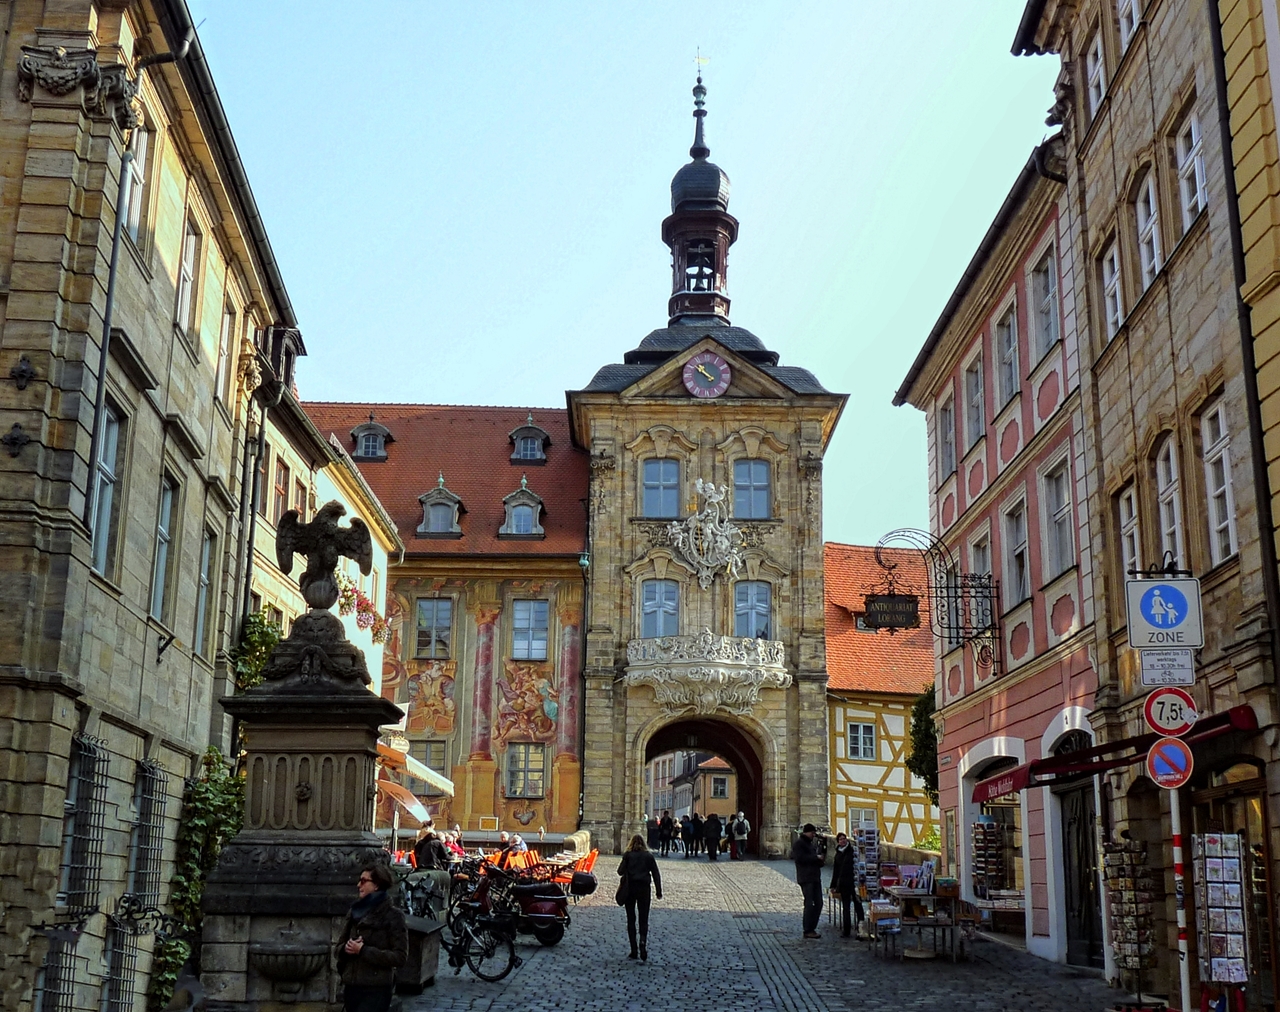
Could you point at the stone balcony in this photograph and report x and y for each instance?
(705, 673)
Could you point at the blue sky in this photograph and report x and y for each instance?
(470, 212)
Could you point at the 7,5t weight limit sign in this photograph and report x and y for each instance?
(1164, 613)
(1170, 711)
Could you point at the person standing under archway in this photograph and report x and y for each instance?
(712, 831)
(637, 869)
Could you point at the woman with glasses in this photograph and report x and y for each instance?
(373, 945)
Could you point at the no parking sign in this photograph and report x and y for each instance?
(1169, 763)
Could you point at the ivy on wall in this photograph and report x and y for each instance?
(257, 639)
(212, 811)
(923, 760)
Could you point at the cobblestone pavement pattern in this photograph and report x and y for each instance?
(726, 938)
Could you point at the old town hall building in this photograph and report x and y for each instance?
(585, 590)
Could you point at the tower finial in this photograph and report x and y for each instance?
(699, 149)
(440, 480)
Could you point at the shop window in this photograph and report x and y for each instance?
(997, 848)
(862, 741)
(526, 769)
(661, 487)
(751, 489)
(529, 630)
(435, 627)
(659, 608)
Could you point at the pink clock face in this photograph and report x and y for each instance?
(707, 375)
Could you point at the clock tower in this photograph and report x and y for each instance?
(704, 605)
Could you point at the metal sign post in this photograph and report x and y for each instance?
(1169, 764)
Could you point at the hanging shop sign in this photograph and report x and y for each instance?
(1169, 763)
(1164, 613)
(1170, 711)
(892, 611)
(1168, 666)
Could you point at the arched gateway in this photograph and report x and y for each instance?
(704, 593)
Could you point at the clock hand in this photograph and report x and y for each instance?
(703, 369)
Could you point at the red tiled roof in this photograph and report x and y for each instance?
(901, 662)
(714, 763)
(470, 445)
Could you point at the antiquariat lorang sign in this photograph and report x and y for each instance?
(892, 611)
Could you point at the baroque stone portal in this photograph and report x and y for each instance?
(705, 673)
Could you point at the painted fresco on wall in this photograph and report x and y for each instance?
(529, 705)
(394, 671)
(428, 693)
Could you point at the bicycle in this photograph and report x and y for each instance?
(479, 939)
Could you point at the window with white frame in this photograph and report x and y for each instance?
(521, 519)
(751, 608)
(1191, 178)
(862, 741)
(526, 770)
(975, 413)
(225, 336)
(1044, 305)
(184, 314)
(371, 444)
(105, 512)
(440, 518)
(164, 542)
(139, 145)
(1058, 518)
(719, 787)
(953, 608)
(946, 439)
(1112, 297)
(980, 565)
(1130, 533)
(1216, 440)
(1128, 13)
(1017, 575)
(204, 592)
(1168, 502)
(1095, 70)
(1148, 215)
(435, 627)
(529, 448)
(659, 608)
(1007, 349)
(661, 487)
(751, 489)
(529, 630)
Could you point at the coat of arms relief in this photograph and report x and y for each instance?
(708, 540)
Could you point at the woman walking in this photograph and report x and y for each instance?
(373, 945)
(638, 867)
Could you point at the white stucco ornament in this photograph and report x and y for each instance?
(705, 673)
(708, 540)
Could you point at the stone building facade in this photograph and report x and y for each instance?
(705, 604)
(1012, 571)
(484, 606)
(122, 527)
(1168, 432)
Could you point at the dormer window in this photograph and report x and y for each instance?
(524, 513)
(370, 440)
(440, 510)
(529, 444)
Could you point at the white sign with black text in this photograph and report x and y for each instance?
(1171, 666)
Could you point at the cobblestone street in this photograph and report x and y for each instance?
(726, 937)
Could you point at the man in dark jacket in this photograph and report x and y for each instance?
(844, 881)
(711, 832)
(809, 861)
(665, 826)
(430, 854)
(374, 943)
(697, 833)
(686, 834)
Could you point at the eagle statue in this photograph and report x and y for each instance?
(322, 541)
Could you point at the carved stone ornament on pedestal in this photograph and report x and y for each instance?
(276, 902)
(708, 540)
(705, 673)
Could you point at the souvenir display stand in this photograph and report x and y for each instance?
(866, 842)
(920, 903)
(992, 843)
(1220, 864)
(1130, 895)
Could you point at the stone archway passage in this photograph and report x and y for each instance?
(736, 747)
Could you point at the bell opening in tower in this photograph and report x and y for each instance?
(700, 272)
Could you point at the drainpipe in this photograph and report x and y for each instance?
(122, 197)
(1253, 406)
(255, 488)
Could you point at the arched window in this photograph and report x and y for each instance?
(371, 444)
(528, 448)
(522, 520)
(659, 608)
(440, 518)
(751, 609)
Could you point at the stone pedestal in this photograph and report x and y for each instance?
(277, 902)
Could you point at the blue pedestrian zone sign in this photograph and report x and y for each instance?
(1164, 613)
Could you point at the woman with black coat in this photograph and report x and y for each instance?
(638, 867)
(373, 945)
(844, 880)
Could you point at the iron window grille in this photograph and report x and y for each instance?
(122, 969)
(55, 988)
(147, 850)
(84, 824)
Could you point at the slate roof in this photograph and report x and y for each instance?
(661, 345)
(470, 445)
(901, 662)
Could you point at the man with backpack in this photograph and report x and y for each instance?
(739, 830)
